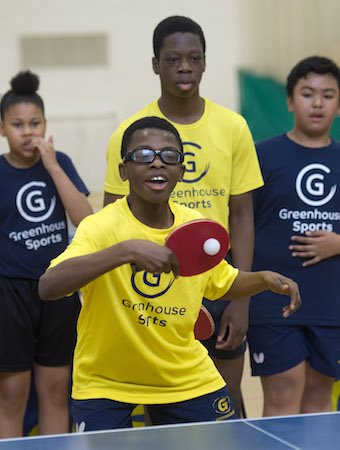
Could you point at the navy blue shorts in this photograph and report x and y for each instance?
(104, 414)
(216, 309)
(33, 330)
(277, 348)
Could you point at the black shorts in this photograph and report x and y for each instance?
(33, 330)
(104, 414)
(216, 309)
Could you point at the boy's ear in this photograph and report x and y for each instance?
(2, 131)
(181, 175)
(205, 62)
(122, 171)
(155, 65)
(290, 104)
(338, 110)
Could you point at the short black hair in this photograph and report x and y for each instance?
(148, 122)
(175, 24)
(24, 88)
(313, 64)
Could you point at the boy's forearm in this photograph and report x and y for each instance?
(247, 284)
(242, 250)
(252, 283)
(241, 227)
(74, 273)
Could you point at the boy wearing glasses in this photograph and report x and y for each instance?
(221, 171)
(136, 342)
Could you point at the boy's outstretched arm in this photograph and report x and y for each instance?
(247, 284)
(75, 202)
(74, 273)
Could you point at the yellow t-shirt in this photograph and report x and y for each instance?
(220, 160)
(135, 332)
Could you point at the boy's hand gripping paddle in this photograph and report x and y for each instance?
(198, 245)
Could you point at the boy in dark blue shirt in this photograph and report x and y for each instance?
(297, 226)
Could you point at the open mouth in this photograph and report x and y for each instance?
(157, 180)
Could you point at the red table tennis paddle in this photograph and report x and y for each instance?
(198, 245)
(204, 326)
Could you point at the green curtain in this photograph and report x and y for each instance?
(263, 104)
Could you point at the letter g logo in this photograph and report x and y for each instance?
(311, 181)
(222, 405)
(31, 204)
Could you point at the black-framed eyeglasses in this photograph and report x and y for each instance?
(148, 155)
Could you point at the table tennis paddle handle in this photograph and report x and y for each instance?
(135, 268)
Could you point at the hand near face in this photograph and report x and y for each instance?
(47, 152)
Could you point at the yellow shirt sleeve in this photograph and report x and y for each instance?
(246, 173)
(220, 279)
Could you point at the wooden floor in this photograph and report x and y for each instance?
(251, 392)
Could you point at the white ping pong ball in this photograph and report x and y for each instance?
(211, 246)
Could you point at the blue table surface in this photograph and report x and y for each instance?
(307, 432)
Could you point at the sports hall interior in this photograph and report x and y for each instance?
(94, 64)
